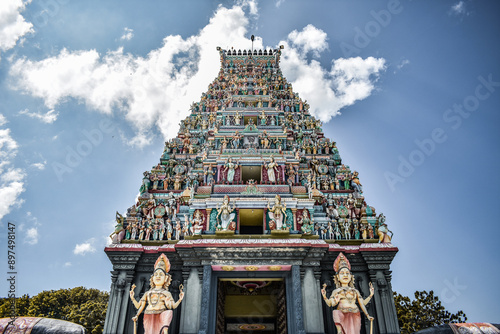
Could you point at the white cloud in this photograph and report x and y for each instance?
(39, 165)
(49, 117)
(327, 91)
(458, 8)
(11, 179)
(67, 264)
(155, 91)
(309, 39)
(127, 34)
(403, 63)
(31, 236)
(84, 248)
(279, 3)
(3, 120)
(12, 23)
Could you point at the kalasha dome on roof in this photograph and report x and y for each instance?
(239, 225)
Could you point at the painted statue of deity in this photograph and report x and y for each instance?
(277, 213)
(226, 215)
(271, 167)
(307, 227)
(197, 223)
(119, 232)
(347, 316)
(383, 231)
(157, 303)
(230, 167)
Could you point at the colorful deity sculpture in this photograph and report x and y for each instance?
(226, 215)
(271, 167)
(347, 316)
(157, 303)
(383, 231)
(230, 168)
(119, 232)
(277, 214)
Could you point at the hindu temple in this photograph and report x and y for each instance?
(258, 217)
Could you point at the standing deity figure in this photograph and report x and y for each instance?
(347, 317)
(263, 118)
(236, 140)
(271, 167)
(230, 167)
(277, 213)
(157, 303)
(237, 118)
(149, 207)
(226, 215)
(119, 232)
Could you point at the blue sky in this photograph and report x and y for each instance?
(89, 91)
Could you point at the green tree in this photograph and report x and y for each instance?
(83, 306)
(80, 305)
(423, 312)
(22, 305)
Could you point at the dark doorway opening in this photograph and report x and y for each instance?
(251, 221)
(251, 306)
(250, 173)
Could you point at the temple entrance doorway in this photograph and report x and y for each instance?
(251, 221)
(251, 306)
(250, 173)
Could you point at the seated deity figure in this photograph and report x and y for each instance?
(277, 213)
(347, 317)
(197, 223)
(383, 231)
(157, 303)
(226, 215)
(307, 225)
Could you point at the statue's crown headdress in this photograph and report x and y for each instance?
(341, 262)
(162, 263)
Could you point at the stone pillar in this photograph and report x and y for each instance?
(207, 219)
(112, 310)
(125, 300)
(296, 320)
(294, 211)
(386, 321)
(311, 297)
(124, 263)
(190, 313)
(205, 300)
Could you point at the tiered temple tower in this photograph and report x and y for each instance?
(251, 204)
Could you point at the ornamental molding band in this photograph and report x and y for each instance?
(249, 203)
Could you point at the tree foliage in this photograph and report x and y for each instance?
(423, 312)
(80, 305)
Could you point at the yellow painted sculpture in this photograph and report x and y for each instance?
(157, 303)
(347, 317)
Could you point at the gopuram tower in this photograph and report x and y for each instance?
(252, 206)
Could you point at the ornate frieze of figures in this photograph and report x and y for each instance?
(250, 135)
(250, 168)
